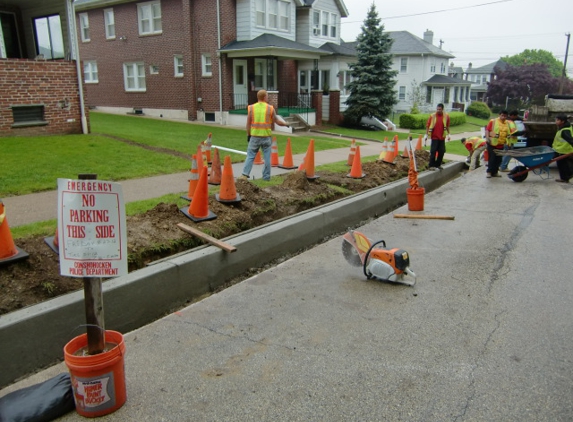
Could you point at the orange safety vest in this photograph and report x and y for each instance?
(499, 130)
(445, 121)
(475, 142)
(261, 119)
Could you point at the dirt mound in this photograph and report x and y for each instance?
(154, 234)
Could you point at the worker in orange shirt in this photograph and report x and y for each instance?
(475, 145)
(437, 127)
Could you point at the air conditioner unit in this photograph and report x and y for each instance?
(316, 31)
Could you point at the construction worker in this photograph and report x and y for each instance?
(513, 116)
(475, 145)
(497, 133)
(261, 119)
(436, 128)
(563, 144)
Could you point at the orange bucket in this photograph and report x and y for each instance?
(98, 380)
(415, 199)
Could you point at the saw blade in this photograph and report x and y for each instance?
(351, 254)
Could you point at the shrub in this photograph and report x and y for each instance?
(479, 110)
(418, 121)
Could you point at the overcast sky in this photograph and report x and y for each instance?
(476, 31)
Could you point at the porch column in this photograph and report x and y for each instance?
(334, 107)
(274, 99)
(316, 96)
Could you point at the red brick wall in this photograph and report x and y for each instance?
(163, 90)
(53, 84)
(334, 108)
(287, 76)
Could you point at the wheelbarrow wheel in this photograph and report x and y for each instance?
(518, 169)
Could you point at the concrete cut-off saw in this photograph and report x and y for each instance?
(380, 263)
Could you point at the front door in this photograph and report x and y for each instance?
(240, 84)
(438, 96)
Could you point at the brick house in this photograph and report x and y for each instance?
(40, 90)
(203, 59)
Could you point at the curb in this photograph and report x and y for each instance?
(33, 338)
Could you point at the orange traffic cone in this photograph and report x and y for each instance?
(384, 149)
(419, 144)
(215, 176)
(258, 158)
(395, 145)
(350, 160)
(309, 162)
(208, 144)
(199, 157)
(53, 243)
(194, 180)
(390, 156)
(228, 191)
(274, 153)
(356, 171)
(199, 208)
(405, 153)
(9, 252)
(287, 159)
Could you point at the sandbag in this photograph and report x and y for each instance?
(39, 403)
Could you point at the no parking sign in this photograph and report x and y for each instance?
(91, 228)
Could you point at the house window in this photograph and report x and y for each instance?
(28, 115)
(90, 72)
(316, 23)
(109, 22)
(84, 27)
(178, 65)
(265, 72)
(442, 68)
(134, 76)
(433, 68)
(149, 18)
(333, 21)
(346, 79)
(207, 66)
(273, 14)
(284, 15)
(325, 16)
(484, 80)
(11, 48)
(402, 93)
(49, 39)
(404, 65)
(325, 79)
(260, 12)
(153, 69)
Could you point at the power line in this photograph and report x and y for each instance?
(437, 11)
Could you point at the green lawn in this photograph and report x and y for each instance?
(33, 164)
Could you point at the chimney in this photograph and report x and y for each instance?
(429, 36)
(470, 65)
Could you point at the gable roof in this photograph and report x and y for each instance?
(487, 69)
(339, 3)
(272, 45)
(404, 44)
(446, 80)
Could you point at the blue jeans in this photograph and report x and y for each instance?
(506, 158)
(254, 144)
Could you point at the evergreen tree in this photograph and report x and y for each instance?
(372, 91)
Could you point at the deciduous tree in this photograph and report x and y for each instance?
(529, 57)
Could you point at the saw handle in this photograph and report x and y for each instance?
(368, 255)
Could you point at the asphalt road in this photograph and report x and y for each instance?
(486, 334)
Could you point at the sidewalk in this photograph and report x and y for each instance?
(26, 209)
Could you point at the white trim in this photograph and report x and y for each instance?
(84, 27)
(109, 23)
(134, 82)
(149, 18)
(178, 68)
(90, 72)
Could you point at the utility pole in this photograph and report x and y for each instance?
(564, 74)
(441, 42)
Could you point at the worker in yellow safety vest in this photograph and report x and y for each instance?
(261, 119)
(497, 134)
(511, 140)
(563, 144)
(475, 145)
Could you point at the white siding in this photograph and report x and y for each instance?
(324, 6)
(245, 19)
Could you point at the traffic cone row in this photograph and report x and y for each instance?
(9, 252)
(391, 154)
(308, 162)
(419, 144)
(384, 149)
(258, 158)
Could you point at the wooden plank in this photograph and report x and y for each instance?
(426, 217)
(207, 238)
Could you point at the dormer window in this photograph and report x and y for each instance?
(324, 24)
(273, 14)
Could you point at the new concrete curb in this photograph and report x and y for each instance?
(34, 337)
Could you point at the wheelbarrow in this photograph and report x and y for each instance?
(535, 159)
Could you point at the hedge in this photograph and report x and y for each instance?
(418, 121)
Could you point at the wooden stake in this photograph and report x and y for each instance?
(207, 238)
(426, 217)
